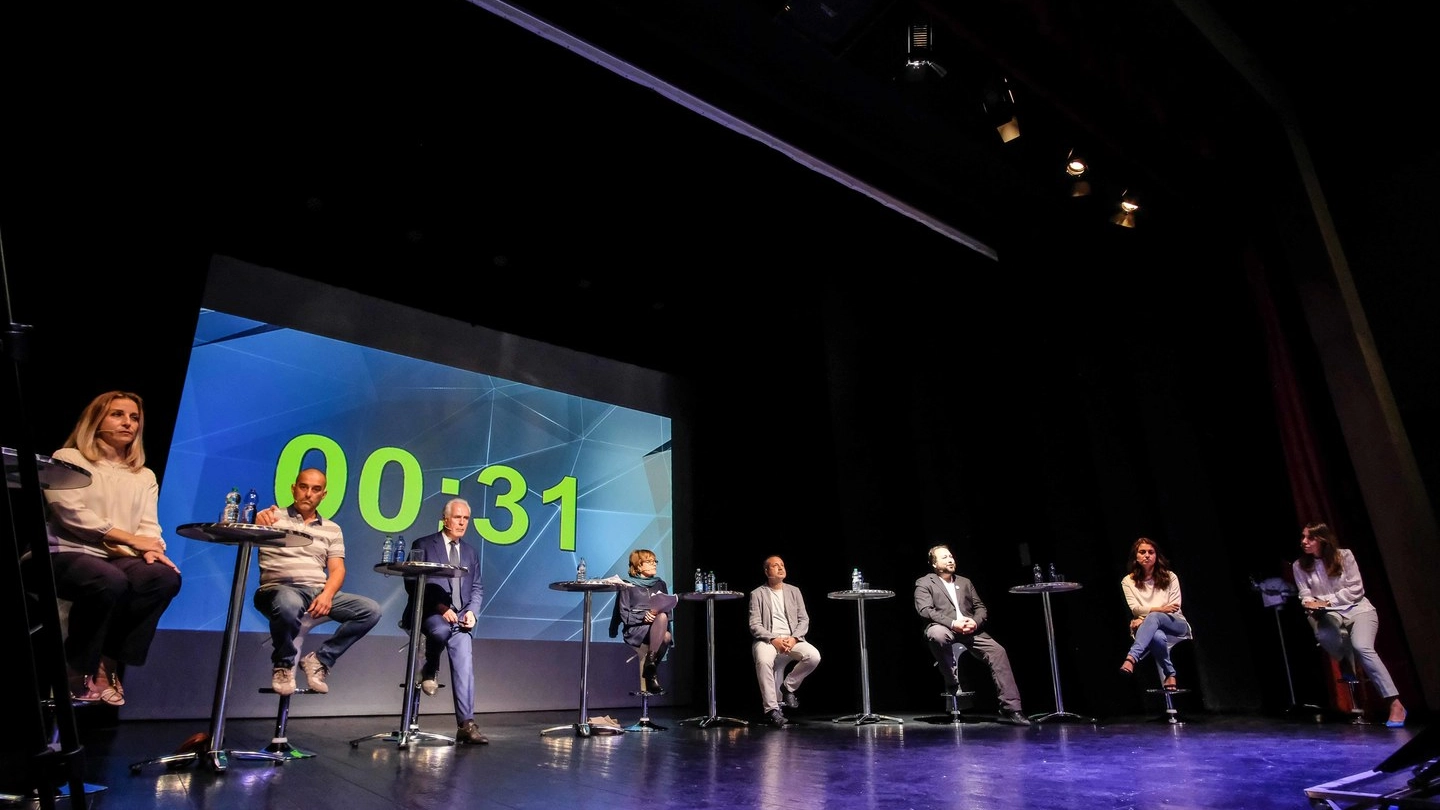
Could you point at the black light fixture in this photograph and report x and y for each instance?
(1076, 166)
(1125, 215)
(919, 47)
(999, 105)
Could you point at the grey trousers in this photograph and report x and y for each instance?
(1342, 635)
(943, 643)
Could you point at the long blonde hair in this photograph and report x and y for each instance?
(82, 437)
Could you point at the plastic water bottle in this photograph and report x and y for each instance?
(400, 548)
(1039, 577)
(855, 579)
(699, 581)
(1053, 578)
(580, 571)
(387, 551)
(231, 512)
(252, 503)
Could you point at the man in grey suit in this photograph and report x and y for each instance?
(956, 617)
(448, 613)
(778, 624)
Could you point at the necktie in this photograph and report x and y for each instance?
(455, 598)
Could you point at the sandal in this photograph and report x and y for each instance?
(1169, 684)
(84, 690)
(109, 685)
(114, 694)
(1128, 667)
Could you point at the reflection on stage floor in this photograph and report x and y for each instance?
(1215, 762)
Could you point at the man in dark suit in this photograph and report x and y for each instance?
(448, 614)
(956, 617)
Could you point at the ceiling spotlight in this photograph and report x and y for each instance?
(999, 105)
(919, 47)
(1076, 167)
(1125, 216)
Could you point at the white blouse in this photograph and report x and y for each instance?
(1345, 593)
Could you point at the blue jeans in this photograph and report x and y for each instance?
(283, 606)
(1155, 635)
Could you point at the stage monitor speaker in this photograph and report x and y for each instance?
(1422, 752)
(1423, 747)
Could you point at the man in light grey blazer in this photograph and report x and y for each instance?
(778, 624)
(956, 618)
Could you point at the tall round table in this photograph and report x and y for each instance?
(860, 598)
(582, 726)
(244, 536)
(53, 473)
(710, 598)
(1045, 589)
(409, 730)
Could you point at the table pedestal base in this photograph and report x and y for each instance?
(410, 719)
(215, 760)
(706, 721)
(1048, 716)
(866, 717)
(585, 729)
(404, 738)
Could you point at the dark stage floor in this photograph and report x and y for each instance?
(1209, 762)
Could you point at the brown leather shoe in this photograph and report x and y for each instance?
(470, 734)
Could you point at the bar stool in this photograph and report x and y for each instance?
(280, 743)
(644, 723)
(1350, 679)
(954, 712)
(1171, 715)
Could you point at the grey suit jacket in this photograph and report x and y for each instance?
(760, 618)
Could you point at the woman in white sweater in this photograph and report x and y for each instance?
(1333, 595)
(1152, 591)
(107, 550)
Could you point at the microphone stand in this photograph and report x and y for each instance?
(1275, 597)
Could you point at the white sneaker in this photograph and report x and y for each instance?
(315, 673)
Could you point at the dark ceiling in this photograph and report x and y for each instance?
(414, 130)
(1185, 103)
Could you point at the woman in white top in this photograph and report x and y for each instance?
(1345, 623)
(1152, 591)
(106, 548)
